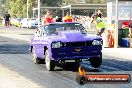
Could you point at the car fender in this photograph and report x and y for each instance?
(40, 48)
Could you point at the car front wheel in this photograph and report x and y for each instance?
(49, 63)
(96, 62)
(37, 60)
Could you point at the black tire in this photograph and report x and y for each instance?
(50, 65)
(77, 64)
(96, 62)
(37, 60)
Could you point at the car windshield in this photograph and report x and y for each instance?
(54, 28)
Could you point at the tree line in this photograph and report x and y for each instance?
(18, 8)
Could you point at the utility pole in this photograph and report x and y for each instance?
(27, 8)
(38, 13)
(27, 12)
(3, 3)
(3, 6)
(116, 25)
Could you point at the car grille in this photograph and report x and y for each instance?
(77, 44)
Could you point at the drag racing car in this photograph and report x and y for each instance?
(65, 41)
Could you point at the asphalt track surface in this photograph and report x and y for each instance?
(15, 55)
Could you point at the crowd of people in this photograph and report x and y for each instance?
(95, 22)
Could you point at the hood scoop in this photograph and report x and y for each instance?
(72, 35)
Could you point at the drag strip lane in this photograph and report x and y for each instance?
(21, 62)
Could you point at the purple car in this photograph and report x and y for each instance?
(60, 42)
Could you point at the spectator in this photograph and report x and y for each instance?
(59, 19)
(7, 20)
(48, 18)
(101, 26)
(93, 22)
(99, 14)
(68, 18)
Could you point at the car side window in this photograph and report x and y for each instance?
(44, 30)
(39, 32)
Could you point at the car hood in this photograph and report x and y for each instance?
(71, 36)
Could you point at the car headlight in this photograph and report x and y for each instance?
(56, 45)
(97, 42)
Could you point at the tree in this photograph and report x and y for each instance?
(18, 7)
(51, 2)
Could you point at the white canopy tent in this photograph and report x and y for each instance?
(76, 6)
(84, 6)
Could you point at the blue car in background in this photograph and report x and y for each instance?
(32, 23)
(29, 23)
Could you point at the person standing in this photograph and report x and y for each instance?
(99, 14)
(68, 18)
(48, 18)
(101, 25)
(93, 22)
(7, 20)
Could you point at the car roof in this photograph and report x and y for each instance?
(63, 23)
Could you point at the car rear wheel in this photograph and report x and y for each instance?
(49, 63)
(36, 60)
(96, 62)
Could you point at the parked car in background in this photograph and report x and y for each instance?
(12, 21)
(29, 23)
(60, 42)
(24, 23)
(16, 22)
(32, 23)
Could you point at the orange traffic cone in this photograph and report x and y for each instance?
(110, 39)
